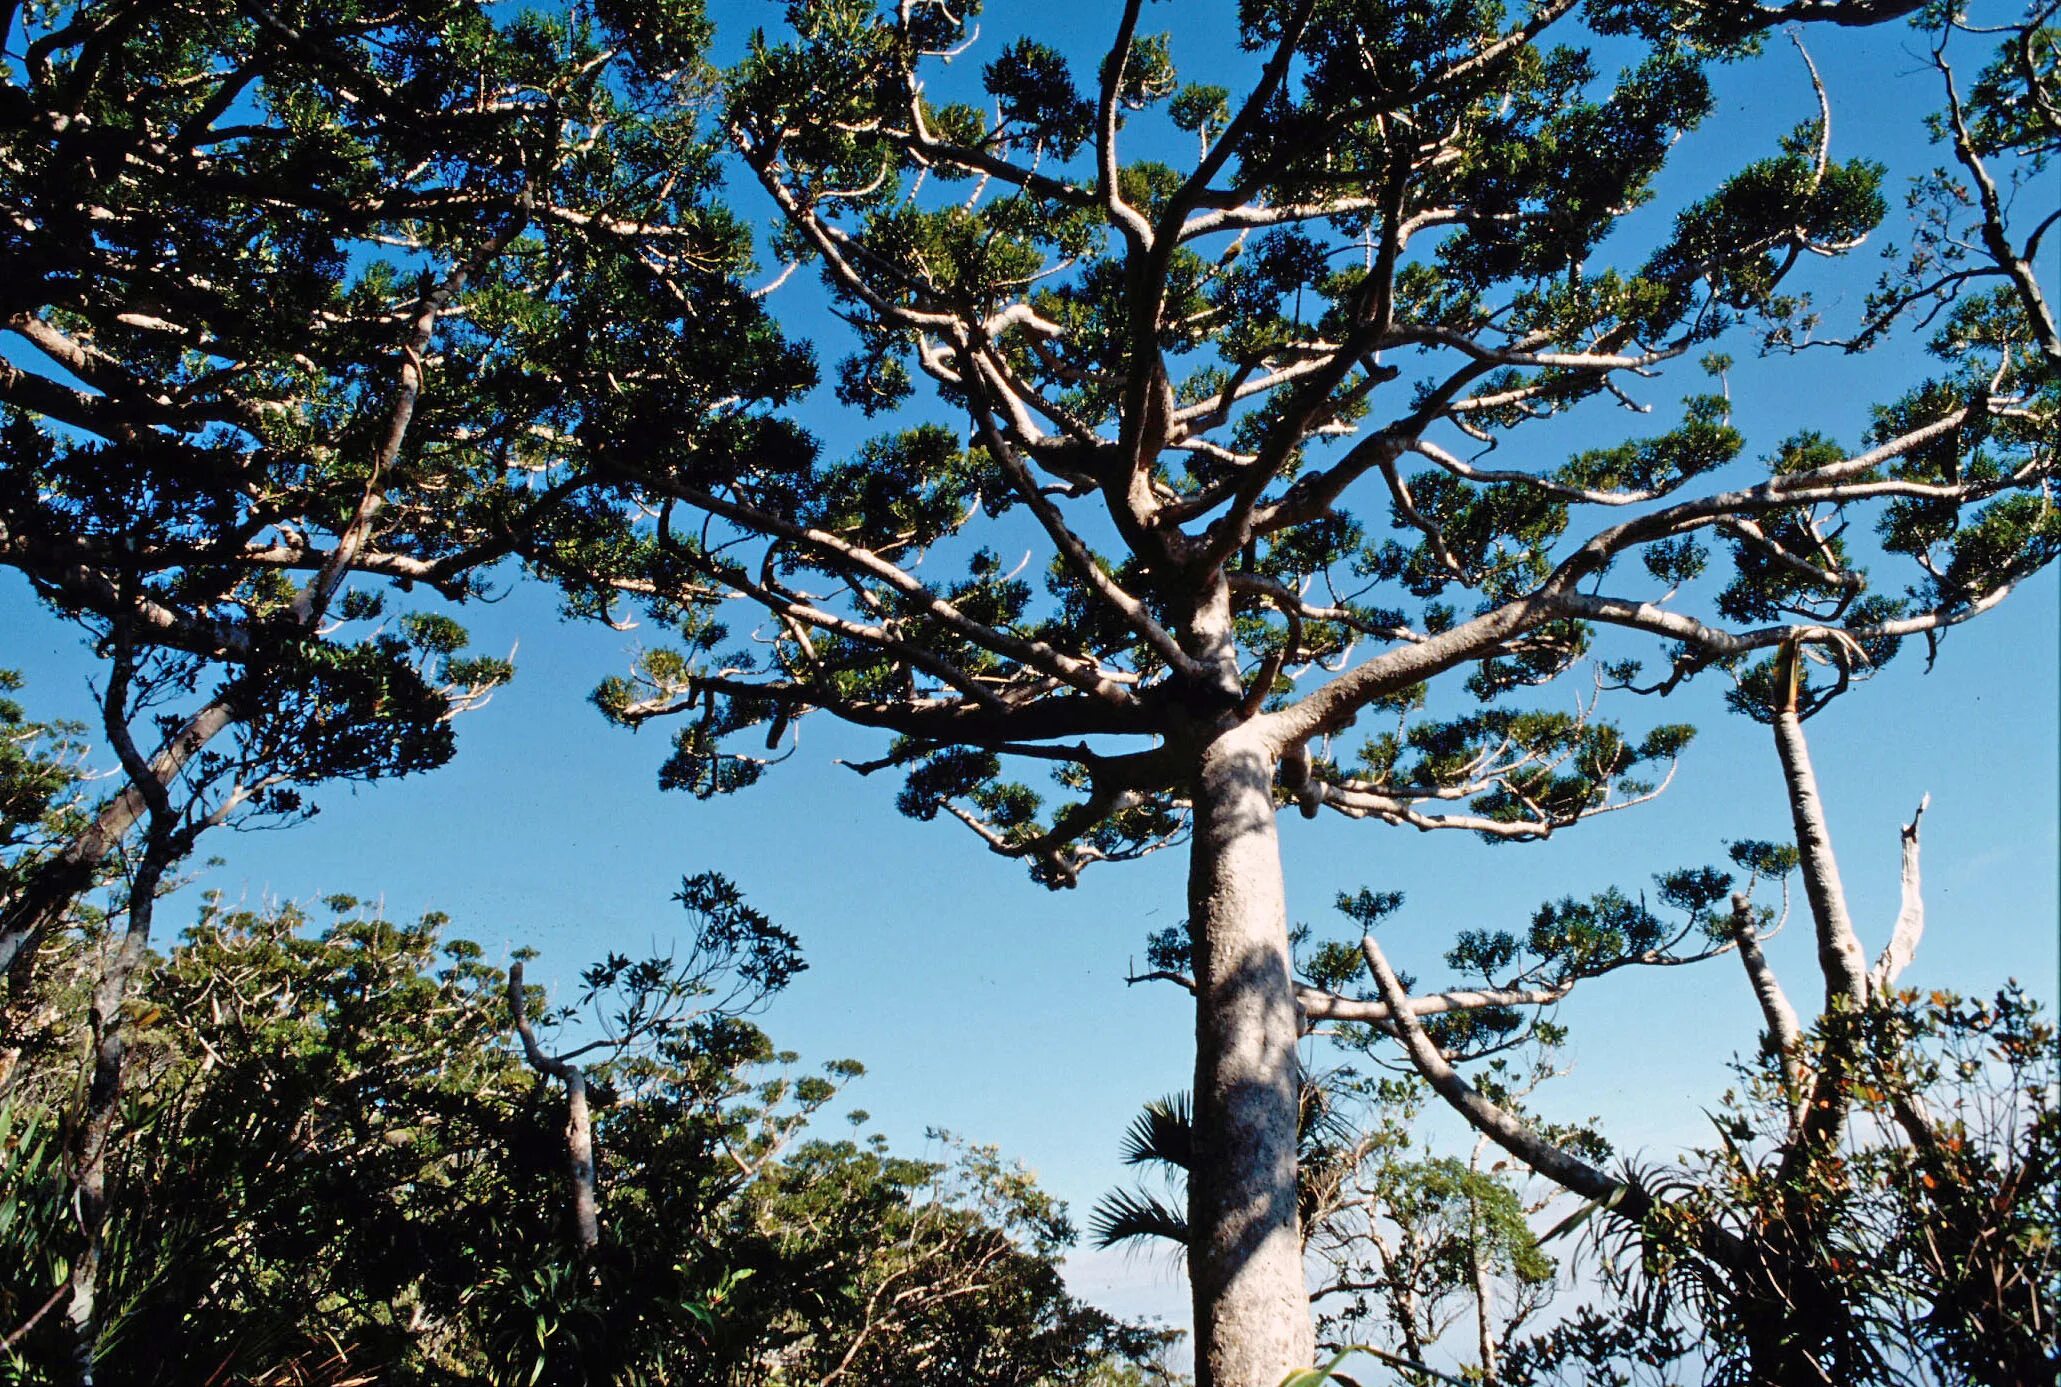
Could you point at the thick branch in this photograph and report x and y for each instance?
(47, 895)
(1785, 1032)
(1564, 1168)
(1995, 239)
(1840, 958)
(579, 1127)
(1318, 1005)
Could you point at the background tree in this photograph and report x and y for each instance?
(1943, 1275)
(315, 306)
(1822, 1239)
(332, 1163)
(1237, 409)
(43, 770)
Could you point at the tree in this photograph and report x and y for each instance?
(1881, 1191)
(317, 306)
(333, 1164)
(1236, 407)
(1930, 1241)
(1786, 1287)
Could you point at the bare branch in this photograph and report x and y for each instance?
(1910, 919)
(579, 1126)
(1563, 1167)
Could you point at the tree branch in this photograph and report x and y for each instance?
(1910, 919)
(1564, 1168)
(579, 1127)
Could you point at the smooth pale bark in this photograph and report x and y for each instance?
(1795, 1332)
(579, 1123)
(1785, 1031)
(1910, 918)
(1252, 1316)
(1840, 957)
(1841, 960)
(1477, 1265)
(1562, 1167)
(1318, 1005)
(579, 1156)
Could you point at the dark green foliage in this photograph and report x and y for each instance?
(34, 1220)
(320, 312)
(1036, 97)
(1368, 908)
(1929, 1240)
(335, 1166)
(1567, 942)
(733, 936)
(1249, 374)
(42, 774)
(1162, 1138)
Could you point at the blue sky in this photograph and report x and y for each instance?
(981, 1003)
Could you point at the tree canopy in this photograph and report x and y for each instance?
(1265, 382)
(315, 306)
(1386, 379)
(335, 1166)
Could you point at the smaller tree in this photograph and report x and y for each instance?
(317, 311)
(1876, 1196)
(1930, 1236)
(330, 1161)
(359, 714)
(738, 960)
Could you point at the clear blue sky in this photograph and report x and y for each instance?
(983, 1004)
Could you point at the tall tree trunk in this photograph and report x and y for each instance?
(95, 1124)
(1252, 1314)
(1478, 1270)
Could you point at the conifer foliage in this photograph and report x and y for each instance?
(1263, 378)
(309, 307)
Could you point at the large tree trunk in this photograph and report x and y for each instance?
(1252, 1314)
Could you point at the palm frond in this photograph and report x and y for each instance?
(1128, 1216)
(1163, 1134)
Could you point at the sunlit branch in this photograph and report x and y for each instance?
(1507, 1131)
(1996, 239)
(1077, 671)
(1785, 1031)
(579, 1124)
(1074, 551)
(1121, 214)
(1910, 920)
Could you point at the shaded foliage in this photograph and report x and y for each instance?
(332, 1165)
